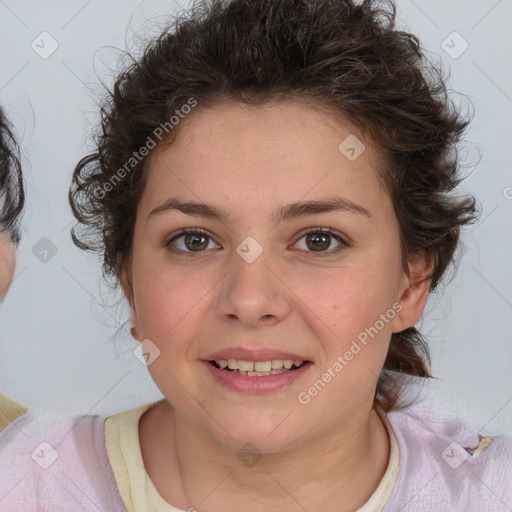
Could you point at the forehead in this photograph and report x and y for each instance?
(282, 125)
(274, 153)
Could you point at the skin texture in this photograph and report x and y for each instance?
(331, 453)
(7, 262)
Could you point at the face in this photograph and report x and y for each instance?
(267, 281)
(7, 261)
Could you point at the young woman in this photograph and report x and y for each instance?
(272, 190)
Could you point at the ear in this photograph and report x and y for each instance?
(413, 291)
(124, 275)
(134, 330)
(7, 262)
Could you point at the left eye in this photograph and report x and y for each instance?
(195, 241)
(320, 240)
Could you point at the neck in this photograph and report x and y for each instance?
(336, 470)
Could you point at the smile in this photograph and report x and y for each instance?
(264, 377)
(257, 368)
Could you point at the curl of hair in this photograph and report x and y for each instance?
(12, 194)
(345, 57)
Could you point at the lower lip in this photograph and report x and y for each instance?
(262, 384)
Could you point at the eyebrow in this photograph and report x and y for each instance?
(286, 213)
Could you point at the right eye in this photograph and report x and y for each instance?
(191, 241)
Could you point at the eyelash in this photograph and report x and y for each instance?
(315, 231)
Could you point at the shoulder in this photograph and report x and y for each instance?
(54, 461)
(9, 411)
(446, 464)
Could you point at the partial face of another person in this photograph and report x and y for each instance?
(267, 273)
(7, 262)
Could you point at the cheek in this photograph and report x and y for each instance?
(168, 302)
(350, 299)
(351, 309)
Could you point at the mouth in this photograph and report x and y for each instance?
(257, 368)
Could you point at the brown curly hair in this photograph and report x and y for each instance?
(344, 56)
(12, 194)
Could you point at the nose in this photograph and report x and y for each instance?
(254, 292)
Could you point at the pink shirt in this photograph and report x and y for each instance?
(64, 466)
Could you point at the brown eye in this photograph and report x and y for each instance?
(317, 241)
(190, 241)
(320, 240)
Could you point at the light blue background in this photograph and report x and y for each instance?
(62, 341)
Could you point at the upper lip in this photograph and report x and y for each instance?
(260, 354)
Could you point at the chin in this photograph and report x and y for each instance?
(260, 437)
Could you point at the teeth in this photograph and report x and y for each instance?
(261, 366)
(258, 366)
(245, 366)
(277, 364)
